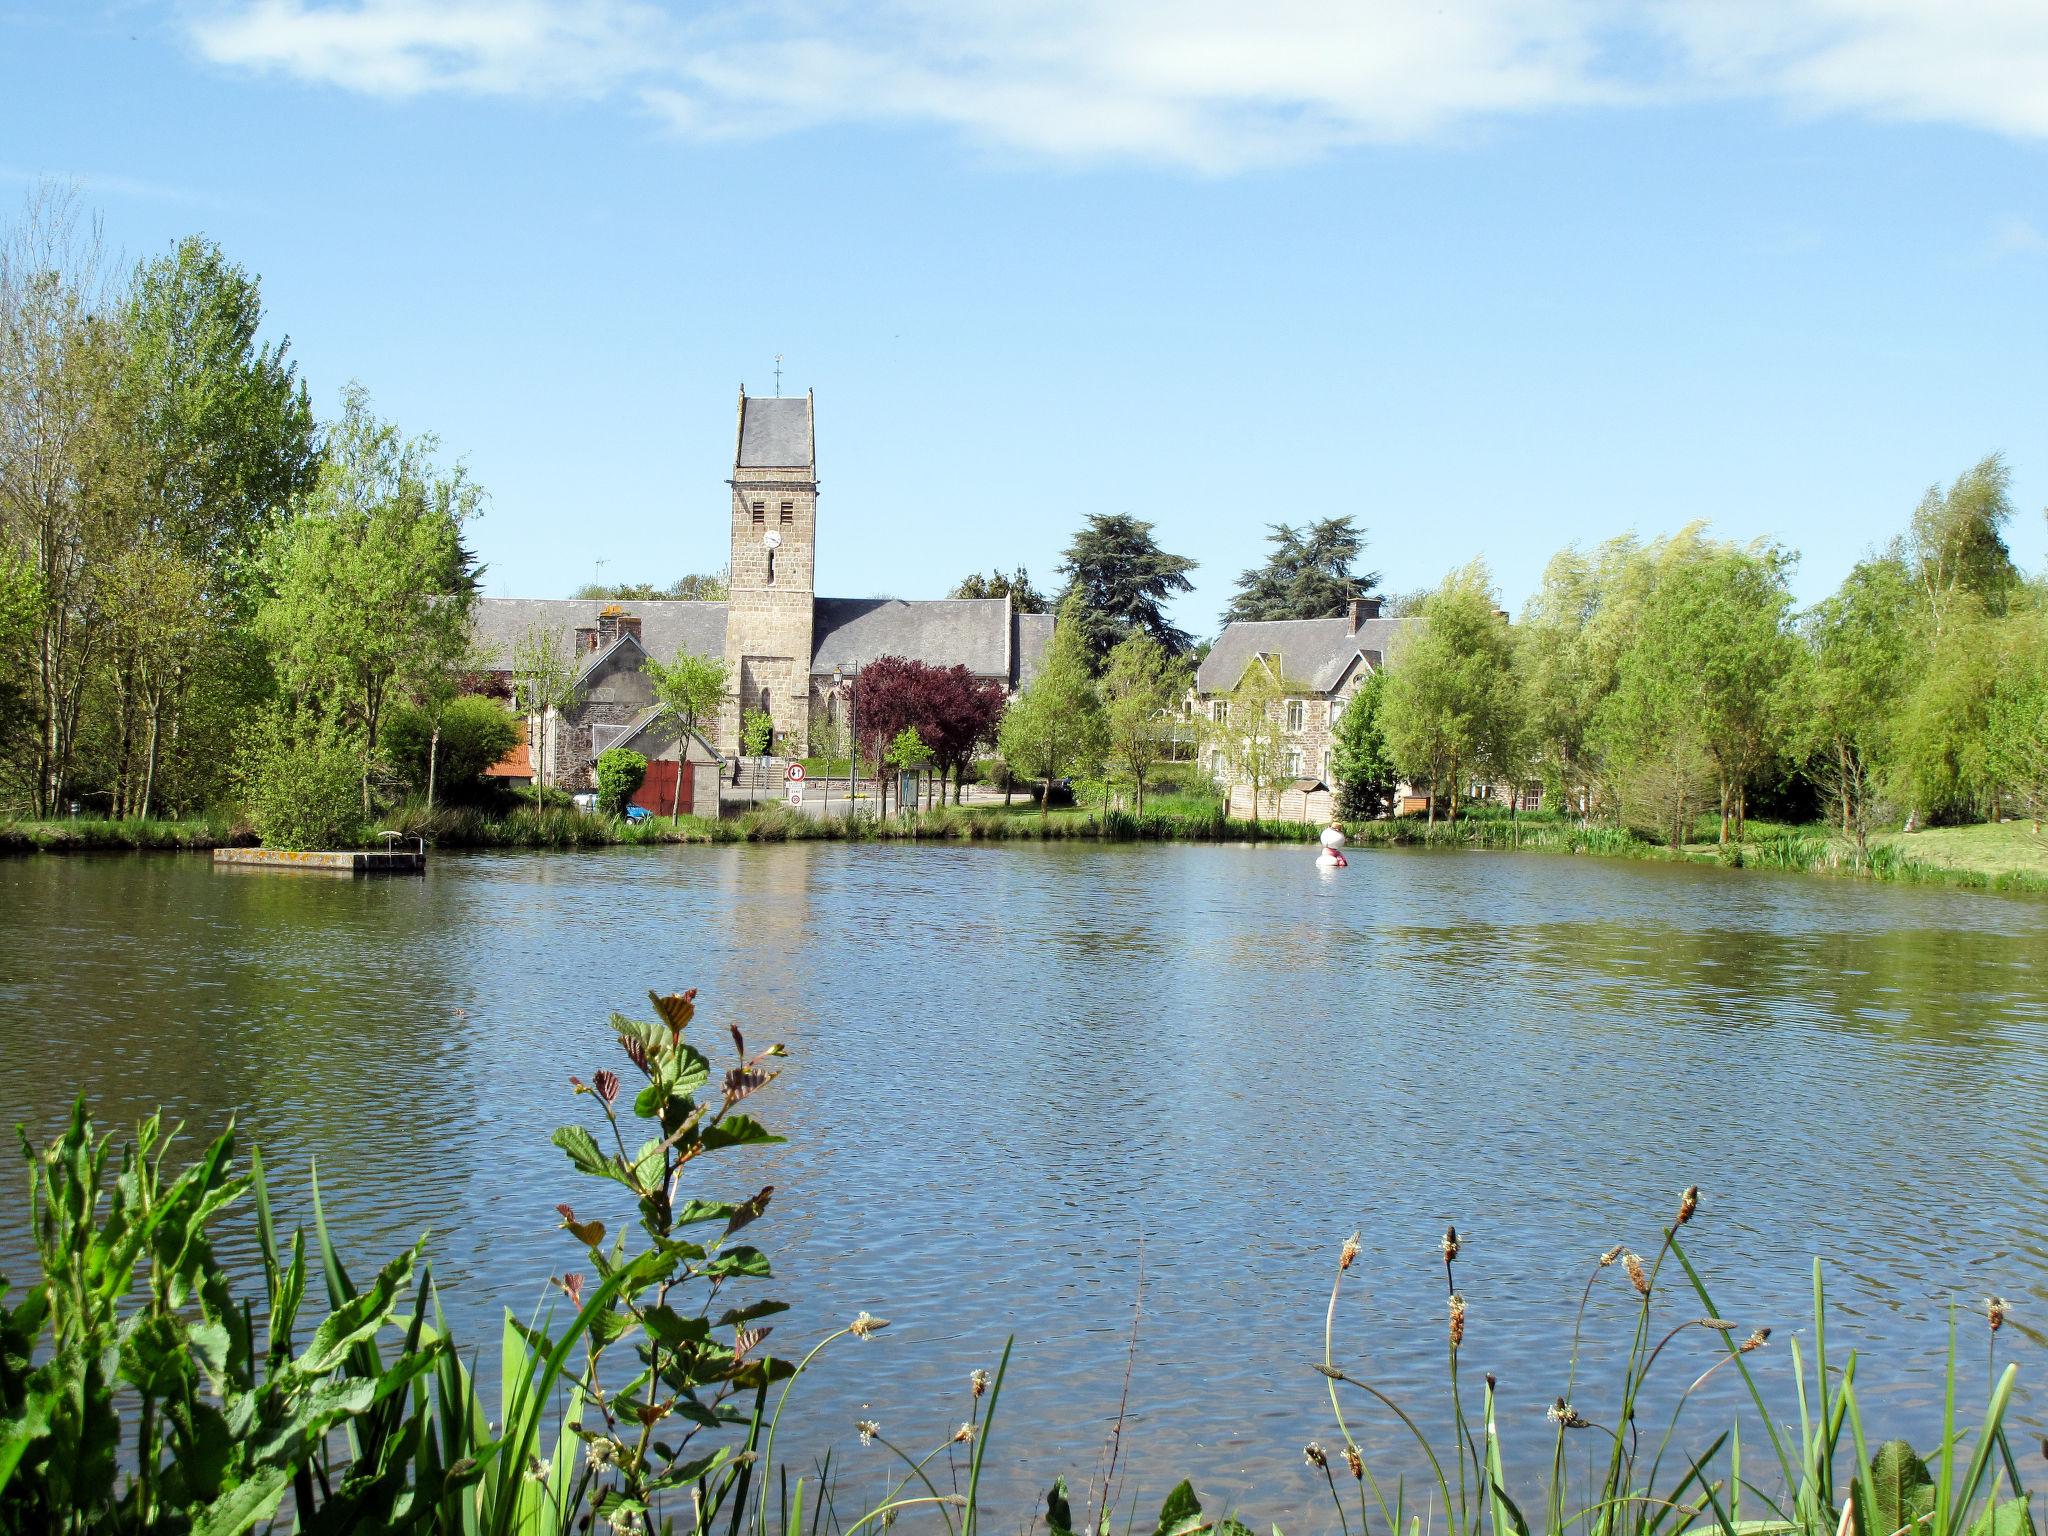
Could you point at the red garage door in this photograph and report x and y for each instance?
(667, 788)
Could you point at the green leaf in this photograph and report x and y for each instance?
(738, 1131)
(738, 1261)
(1181, 1512)
(733, 1317)
(1059, 1515)
(673, 1329)
(582, 1149)
(1904, 1489)
(243, 1506)
(2012, 1518)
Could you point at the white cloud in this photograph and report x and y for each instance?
(2017, 237)
(1210, 83)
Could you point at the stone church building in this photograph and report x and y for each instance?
(788, 652)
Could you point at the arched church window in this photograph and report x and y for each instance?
(764, 702)
(771, 567)
(831, 709)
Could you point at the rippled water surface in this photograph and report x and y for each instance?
(1016, 1069)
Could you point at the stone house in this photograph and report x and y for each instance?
(1320, 664)
(789, 653)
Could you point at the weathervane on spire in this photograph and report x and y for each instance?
(778, 375)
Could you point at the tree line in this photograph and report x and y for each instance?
(1652, 682)
(206, 592)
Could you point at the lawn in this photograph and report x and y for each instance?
(1996, 848)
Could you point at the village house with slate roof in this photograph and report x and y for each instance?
(1321, 663)
(788, 652)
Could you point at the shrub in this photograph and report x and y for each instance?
(619, 774)
(475, 733)
(302, 782)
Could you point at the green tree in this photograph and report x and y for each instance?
(1362, 762)
(690, 688)
(1309, 575)
(1250, 730)
(450, 745)
(1452, 712)
(61, 474)
(1955, 544)
(1054, 728)
(1015, 585)
(620, 773)
(757, 732)
(369, 583)
(1118, 582)
(908, 753)
(300, 778)
(1940, 765)
(1708, 660)
(2017, 735)
(1139, 687)
(1865, 656)
(220, 435)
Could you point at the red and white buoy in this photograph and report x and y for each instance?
(1332, 856)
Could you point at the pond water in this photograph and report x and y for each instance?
(1019, 1074)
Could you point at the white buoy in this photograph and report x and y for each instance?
(1333, 842)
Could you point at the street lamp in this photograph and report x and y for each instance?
(841, 675)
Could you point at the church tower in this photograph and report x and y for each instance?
(774, 545)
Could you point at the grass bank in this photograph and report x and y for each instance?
(101, 835)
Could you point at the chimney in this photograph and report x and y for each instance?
(1363, 608)
(608, 619)
(629, 624)
(586, 639)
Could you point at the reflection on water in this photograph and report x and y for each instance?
(1013, 1067)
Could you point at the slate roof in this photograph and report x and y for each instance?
(667, 626)
(945, 631)
(1312, 652)
(775, 433)
(978, 632)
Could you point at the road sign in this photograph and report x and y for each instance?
(794, 773)
(796, 791)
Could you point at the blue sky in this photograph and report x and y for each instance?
(1490, 277)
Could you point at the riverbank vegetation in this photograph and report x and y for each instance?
(148, 1386)
(1648, 682)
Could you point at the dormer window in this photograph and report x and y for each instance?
(760, 513)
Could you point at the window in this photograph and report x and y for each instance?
(764, 702)
(1294, 763)
(1336, 712)
(760, 513)
(1297, 714)
(771, 567)
(831, 709)
(788, 513)
(1221, 711)
(1187, 709)
(1326, 765)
